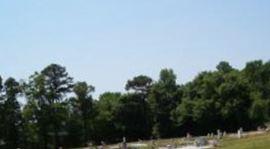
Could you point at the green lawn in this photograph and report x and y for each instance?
(261, 141)
(252, 142)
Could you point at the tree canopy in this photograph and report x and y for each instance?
(61, 112)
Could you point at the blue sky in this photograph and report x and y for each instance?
(106, 42)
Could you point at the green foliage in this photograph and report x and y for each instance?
(82, 113)
(139, 84)
(259, 110)
(224, 67)
(45, 92)
(105, 127)
(60, 113)
(11, 116)
(132, 115)
(163, 99)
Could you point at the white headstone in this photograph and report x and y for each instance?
(219, 134)
(124, 143)
(240, 133)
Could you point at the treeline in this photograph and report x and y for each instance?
(61, 112)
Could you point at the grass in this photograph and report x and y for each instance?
(259, 141)
(161, 142)
(251, 142)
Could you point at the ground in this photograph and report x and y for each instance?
(251, 142)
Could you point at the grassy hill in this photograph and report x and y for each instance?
(250, 142)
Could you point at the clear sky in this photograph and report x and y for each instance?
(106, 42)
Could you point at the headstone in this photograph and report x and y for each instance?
(188, 136)
(219, 134)
(240, 133)
(90, 144)
(212, 135)
(169, 147)
(103, 143)
(124, 143)
(201, 141)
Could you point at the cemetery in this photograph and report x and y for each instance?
(221, 140)
(215, 110)
(135, 74)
